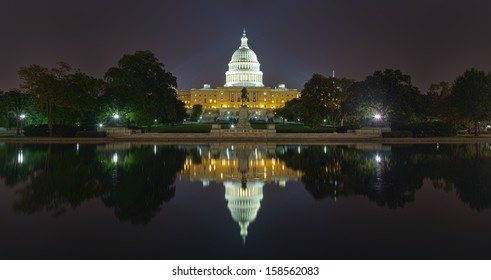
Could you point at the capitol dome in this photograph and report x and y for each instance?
(243, 69)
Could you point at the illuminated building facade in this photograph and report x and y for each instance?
(244, 71)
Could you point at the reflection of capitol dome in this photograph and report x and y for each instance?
(244, 203)
(243, 69)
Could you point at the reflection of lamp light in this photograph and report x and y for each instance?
(378, 159)
(115, 158)
(20, 157)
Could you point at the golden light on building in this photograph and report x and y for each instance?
(244, 71)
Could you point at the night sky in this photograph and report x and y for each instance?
(432, 40)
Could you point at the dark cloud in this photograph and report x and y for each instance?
(432, 40)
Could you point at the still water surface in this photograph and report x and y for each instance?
(245, 201)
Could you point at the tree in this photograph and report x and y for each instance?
(436, 104)
(291, 111)
(142, 90)
(80, 103)
(196, 112)
(43, 85)
(321, 99)
(16, 104)
(388, 93)
(66, 97)
(471, 96)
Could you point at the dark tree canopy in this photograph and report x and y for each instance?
(436, 105)
(472, 96)
(15, 105)
(389, 93)
(291, 111)
(141, 90)
(196, 112)
(66, 97)
(321, 99)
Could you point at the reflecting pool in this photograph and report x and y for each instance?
(245, 201)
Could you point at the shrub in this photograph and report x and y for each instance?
(41, 130)
(429, 129)
(342, 129)
(36, 130)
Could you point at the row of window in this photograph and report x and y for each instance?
(238, 100)
(244, 77)
(254, 94)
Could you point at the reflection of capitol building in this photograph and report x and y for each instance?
(243, 170)
(223, 165)
(244, 203)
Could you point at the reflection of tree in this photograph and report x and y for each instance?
(474, 184)
(145, 179)
(399, 181)
(321, 170)
(65, 181)
(464, 168)
(341, 171)
(17, 161)
(62, 177)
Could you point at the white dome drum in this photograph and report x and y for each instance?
(244, 68)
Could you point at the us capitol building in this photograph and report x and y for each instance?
(243, 72)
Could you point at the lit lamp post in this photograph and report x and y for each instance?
(116, 121)
(19, 126)
(377, 117)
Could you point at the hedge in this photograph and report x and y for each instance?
(41, 130)
(397, 134)
(429, 129)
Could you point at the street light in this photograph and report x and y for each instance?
(377, 117)
(116, 116)
(19, 123)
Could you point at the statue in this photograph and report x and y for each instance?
(244, 96)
